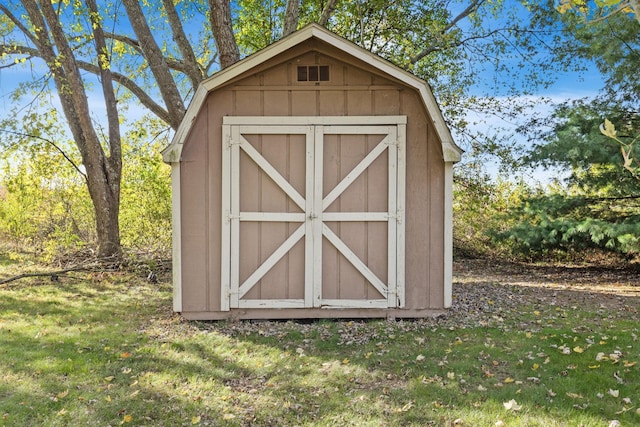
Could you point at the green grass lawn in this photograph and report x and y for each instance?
(105, 349)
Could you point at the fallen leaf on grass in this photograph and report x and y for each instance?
(195, 420)
(420, 358)
(405, 408)
(512, 405)
(614, 393)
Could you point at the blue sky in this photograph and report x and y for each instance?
(566, 86)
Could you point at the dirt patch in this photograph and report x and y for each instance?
(486, 288)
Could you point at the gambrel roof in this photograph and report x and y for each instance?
(451, 152)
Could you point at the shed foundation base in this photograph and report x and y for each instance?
(319, 313)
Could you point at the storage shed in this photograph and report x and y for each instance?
(312, 179)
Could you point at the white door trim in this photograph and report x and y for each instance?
(312, 226)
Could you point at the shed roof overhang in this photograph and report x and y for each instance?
(451, 152)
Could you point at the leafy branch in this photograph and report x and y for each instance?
(50, 142)
(609, 130)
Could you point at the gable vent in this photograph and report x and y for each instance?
(313, 73)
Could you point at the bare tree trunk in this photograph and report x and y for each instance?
(220, 12)
(108, 225)
(291, 17)
(103, 176)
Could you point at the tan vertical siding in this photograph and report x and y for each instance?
(219, 106)
(273, 90)
(417, 206)
(194, 222)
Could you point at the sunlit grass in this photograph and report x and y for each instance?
(106, 350)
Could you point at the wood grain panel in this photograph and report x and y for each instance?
(193, 181)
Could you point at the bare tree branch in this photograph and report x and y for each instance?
(53, 144)
(327, 12)
(157, 63)
(191, 67)
(291, 17)
(473, 6)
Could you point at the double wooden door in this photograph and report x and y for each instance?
(313, 212)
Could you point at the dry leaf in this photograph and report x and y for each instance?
(614, 393)
(195, 420)
(512, 405)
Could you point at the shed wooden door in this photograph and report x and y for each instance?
(313, 212)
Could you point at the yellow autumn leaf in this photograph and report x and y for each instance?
(195, 420)
(345, 361)
(127, 418)
(578, 349)
(109, 379)
(228, 416)
(125, 355)
(509, 380)
(628, 160)
(535, 367)
(608, 129)
(628, 364)
(62, 394)
(594, 366)
(528, 334)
